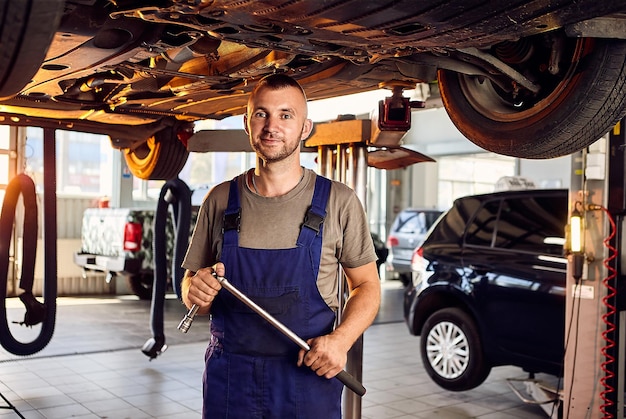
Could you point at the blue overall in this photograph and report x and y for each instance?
(251, 369)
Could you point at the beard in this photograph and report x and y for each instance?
(275, 153)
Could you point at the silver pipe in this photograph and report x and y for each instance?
(357, 162)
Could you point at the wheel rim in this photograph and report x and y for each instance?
(447, 350)
(487, 101)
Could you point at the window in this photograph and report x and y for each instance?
(482, 229)
(470, 174)
(83, 162)
(533, 224)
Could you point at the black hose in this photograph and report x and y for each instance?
(181, 195)
(36, 312)
(176, 193)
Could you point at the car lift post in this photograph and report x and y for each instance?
(347, 163)
(593, 381)
(346, 148)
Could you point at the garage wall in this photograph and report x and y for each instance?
(551, 173)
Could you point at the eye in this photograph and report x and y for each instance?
(260, 114)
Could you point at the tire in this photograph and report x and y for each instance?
(405, 279)
(161, 157)
(451, 350)
(141, 285)
(573, 109)
(26, 31)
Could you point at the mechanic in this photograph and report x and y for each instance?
(278, 233)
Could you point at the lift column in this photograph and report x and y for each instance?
(593, 385)
(615, 360)
(343, 156)
(347, 163)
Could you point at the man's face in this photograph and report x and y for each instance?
(276, 123)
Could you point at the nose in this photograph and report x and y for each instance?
(271, 123)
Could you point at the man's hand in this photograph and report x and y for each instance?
(201, 288)
(327, 356)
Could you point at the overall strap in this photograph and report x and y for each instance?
(314, 218)
(232, 216)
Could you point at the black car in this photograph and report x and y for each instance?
(406, 233)
(381, 250)
(489, 287)
(533, 79)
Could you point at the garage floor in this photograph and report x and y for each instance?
(94, 368)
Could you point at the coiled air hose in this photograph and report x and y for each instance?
(36, 312)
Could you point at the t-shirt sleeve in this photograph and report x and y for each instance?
(205, 244)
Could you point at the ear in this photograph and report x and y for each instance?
(307, 127)
(245, 123)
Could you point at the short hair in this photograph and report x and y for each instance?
(278, 81)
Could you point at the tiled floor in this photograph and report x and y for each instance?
(94, 368)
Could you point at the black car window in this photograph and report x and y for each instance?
(533, 224)
(481, 231)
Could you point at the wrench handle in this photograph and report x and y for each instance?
(352, 383)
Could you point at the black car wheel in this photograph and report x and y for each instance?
(573, 108)
(26, 30)
(161, 157)
(141, 285)
(405, 279)
(451, 350)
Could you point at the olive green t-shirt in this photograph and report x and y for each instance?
(274, 223)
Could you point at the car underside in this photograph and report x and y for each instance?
(534, 79)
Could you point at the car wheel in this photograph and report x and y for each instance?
(405, 278)
(26, 30)
(572, 110)
(161, 157)
(451, 350)
(141, 285)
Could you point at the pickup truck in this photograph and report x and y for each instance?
(118, 241)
